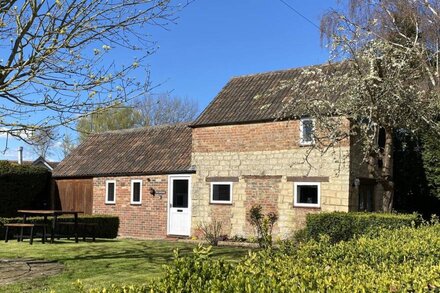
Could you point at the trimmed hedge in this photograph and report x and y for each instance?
(340, 226)
(399, 260)
(107, 225)
(22, 187)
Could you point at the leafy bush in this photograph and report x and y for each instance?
(263, 225)
(212, 232)
(401, 260)
(22, 187)
(341, 226)
(107, 226)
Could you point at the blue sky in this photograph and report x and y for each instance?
(216, 40)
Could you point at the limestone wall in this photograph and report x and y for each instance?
(264, 157)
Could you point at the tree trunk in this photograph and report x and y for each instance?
(387, 181)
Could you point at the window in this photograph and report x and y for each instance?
(136, 191)
(221, 192)
(307, 194)
(307, 129)
(110, 191)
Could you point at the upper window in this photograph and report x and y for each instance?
(307, 194)
(221, 192)
(307, 129)
(110, 191)
(136, 191)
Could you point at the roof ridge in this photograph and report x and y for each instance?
(279, 71)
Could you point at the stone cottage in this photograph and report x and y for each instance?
(166, 180)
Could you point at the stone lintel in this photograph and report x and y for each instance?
(221, 179)
(307, 179)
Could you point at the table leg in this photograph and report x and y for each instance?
(52, 233)
(76, 227)
(46, 224)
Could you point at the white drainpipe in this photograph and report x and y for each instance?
(20, 155)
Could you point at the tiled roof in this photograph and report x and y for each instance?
(256, 98)
(151, 150)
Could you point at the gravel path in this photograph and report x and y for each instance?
(14, 270)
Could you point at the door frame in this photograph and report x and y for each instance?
(170, 194)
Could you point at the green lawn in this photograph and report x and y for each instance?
(100, 263)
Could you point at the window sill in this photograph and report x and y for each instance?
(306, 207)
(110, 203)
(221, 203)
(135, 203)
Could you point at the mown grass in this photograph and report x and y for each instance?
(100, 263)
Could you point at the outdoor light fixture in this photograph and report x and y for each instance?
(356, 182)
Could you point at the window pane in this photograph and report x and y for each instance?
(221, 192)
(307, 194)
(110, 191)
(136, 192)
(180, 193)
(307, 129)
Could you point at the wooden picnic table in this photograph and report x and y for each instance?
(54, 214)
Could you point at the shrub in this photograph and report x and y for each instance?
(107, 225)
(212, 232)
(341, 226)
(263, 225)
(401, 260)
(22, 187)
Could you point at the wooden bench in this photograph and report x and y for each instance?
(21, 226)
(86, 226)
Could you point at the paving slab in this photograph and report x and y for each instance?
(18, 270)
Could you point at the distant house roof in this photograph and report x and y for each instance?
(151, 150)
(256, 98)
(40, 161)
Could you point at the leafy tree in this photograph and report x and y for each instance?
(147, 111)
(53, 57)
(388, 81)
(431, 161)
(113, 118)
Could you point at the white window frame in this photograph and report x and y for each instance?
(132, 192)
(295, 194)
(106, 191)
(301, 132)
(221, 201)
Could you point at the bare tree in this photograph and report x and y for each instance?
(388, 81)
(42, 140)
(54, 67)
(166, 109)
(67, 144)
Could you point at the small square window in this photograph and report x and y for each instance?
(221, 192)
(307, 129)
(307, 194)
(110, 191)
(136, 191)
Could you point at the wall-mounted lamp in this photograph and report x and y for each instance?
(153, 192)
(357, 182)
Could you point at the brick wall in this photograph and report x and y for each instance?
(263, 157)
(145, 220)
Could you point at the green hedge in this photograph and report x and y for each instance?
(400, 260)
(107, 225)
(341, 226)
(22, 187)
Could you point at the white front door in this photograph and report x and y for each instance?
(179, 211)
